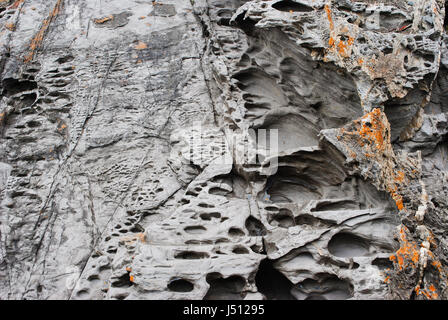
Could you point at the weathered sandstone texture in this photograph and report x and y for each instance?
(127, 164)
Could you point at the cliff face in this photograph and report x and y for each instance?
(223, 149)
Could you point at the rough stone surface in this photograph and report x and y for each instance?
(126, 149)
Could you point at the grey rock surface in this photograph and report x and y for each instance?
(129, 168)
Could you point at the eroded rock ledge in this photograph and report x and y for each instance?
(126, 150)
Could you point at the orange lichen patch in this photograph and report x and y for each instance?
(330, 18)
(142, 17)
(430, 293)
(431, 240)
(131, 278)
(360, 61)
(341, 47)
(140, 46)
(392, 189)
(417, 290)
(371, 134)
(350, 41)
(62, 127)
(128, 269)
(10, 26)
(399, 177)
(408, 254)
(399, 202)
(37, 40)
(438, 265)
(372, 129)
(104, 19)
(387, 279)
(338, 42)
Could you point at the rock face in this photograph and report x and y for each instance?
(223, 149)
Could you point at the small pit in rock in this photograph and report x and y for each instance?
(191, 255)
(255, 227)
(348, 245)
(324, 287)
(272, 283)
(225, 288)
(180, 285)
(288, 6)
